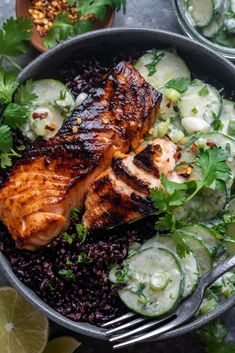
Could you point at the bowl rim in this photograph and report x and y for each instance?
(28, 294)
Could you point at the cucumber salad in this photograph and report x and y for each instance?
(195, 219)
(214, 19)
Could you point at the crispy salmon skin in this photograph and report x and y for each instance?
(53, 175)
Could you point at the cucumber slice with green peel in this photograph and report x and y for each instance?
(189, 262)
(203, 207)
(201, 11)
(204, 234)
(231, 206)
(46, 127)
(216, 24)
(200, 101)
(54, 93)
(227, 116)
(154, 283)
(231, 226)
(200, 250)
(170, 66)
(230, 245)
(224, 38)
(213, 27)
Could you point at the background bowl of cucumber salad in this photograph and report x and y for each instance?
(212, 22)
(198, 114)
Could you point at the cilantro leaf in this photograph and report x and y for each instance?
(6, 140)
(8, 85)
(15, 116)
(14, 36)
(81, 232)
(156, 57)
(215, 171)
(180, 84)
(83, 259)
(164, 223)
(98, 7)
(182, 247)
(172, 195)
(213, 336)
(6, 158)
(68, 274)
(75, 213)
(63, 28)
(25, 95)
(69, 238)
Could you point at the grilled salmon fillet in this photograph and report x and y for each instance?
(53, 175)
(120, 194)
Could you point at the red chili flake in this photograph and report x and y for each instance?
(194, 147)
(211, 144)
(50, 128)
(40, 116)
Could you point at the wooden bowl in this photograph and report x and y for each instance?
(22, 7)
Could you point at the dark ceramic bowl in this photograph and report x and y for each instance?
(206, 63)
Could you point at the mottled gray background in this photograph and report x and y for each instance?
(153, 14)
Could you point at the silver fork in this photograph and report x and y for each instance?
(145, 328)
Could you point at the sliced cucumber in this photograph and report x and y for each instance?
(230, 245)
(189, 262)
(232, 6)
(201, 11)
(227, 115)
(54, 93)
(44, 121)
(200, 101)
(204, 234)
(218, 19)
(170, 66)
(231, 206)
(200, 250)
(225, 39)
(213, 27)
(167, 107)
(155, 282)
(231, 226)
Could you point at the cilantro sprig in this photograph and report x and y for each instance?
(63, 28)
(156, 57)
(14, 37)
(16, 101)
(215, 173)
(180, 84)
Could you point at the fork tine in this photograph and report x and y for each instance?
(139, 329)
(159, 331)
(126, 325)
(119, 319)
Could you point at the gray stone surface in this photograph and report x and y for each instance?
(153, 14)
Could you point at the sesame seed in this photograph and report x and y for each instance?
(79, 121)
(75, 129)
(105, 121)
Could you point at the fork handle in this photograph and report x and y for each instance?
(219, 270)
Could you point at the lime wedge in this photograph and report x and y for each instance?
(62, 345)
(22, 328)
